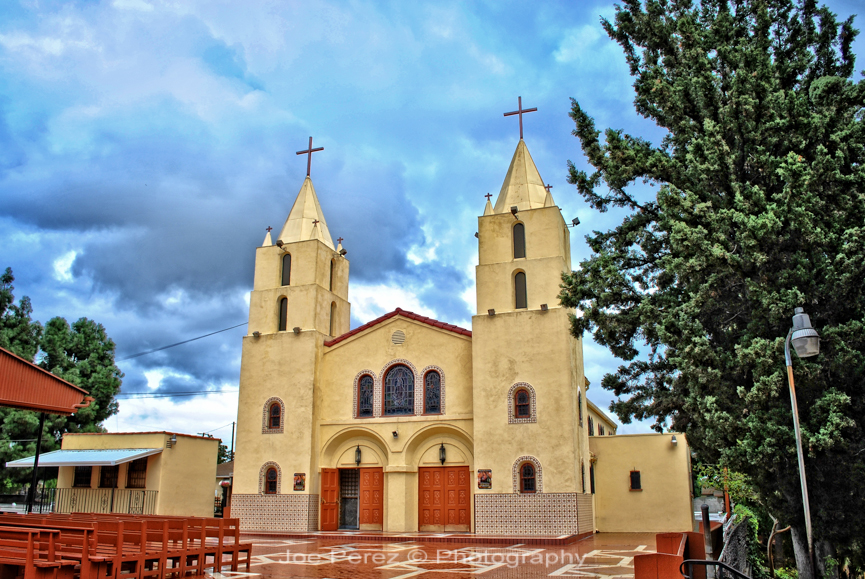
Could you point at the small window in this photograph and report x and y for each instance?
(522, 404)
(270, 481)
(275, 415)
(519, 240)
(591, 426)
(286, 269)
(108, 477)
(83, 476)
(527, 478)
(520, 290)
(635, 481)
(601, 430)
(580, 406)
(330, 284)
(283, 314)
(592, 477)
(365, 396)
(332, 316)
(432, 400)
(136, 475)
(583, 475)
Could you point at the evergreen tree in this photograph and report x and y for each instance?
(82, 354)
(760, 208)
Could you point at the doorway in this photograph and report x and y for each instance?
(352, 498)
(349, 495)
(444, 499)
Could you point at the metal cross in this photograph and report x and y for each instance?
(339, 239)
(309, 151)
(488, 195)
(548, 187)
(520, 110)
(314, 222)
(269, 228)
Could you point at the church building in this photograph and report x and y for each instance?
(410, 424)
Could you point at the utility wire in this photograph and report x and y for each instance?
(144, 395)
(220, 428)
(179, 343)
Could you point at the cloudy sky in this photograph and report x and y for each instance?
(145, 145)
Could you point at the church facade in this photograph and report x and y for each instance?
(409, 424)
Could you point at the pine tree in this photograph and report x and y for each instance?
(760, 208)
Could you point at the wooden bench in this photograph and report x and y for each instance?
(31, 554)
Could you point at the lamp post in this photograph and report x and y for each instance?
(806, 342)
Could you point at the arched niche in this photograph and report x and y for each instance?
(431, 437)
(347, 440)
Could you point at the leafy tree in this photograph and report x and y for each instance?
(760, 209)
(224, 454)
(82, 354)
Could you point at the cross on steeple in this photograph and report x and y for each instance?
(548, 187)
(520, 110)
(488, 196)
(269, 228)
(315, 222)
(339, 239)
(309, 151)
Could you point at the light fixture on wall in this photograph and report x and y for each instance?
(476, 234)
(256, 333)
(296, 329)
(171, 441)
(343, 252)
(491, 312)
(357, 455)
(544, 307)
(575, 221)
(673, 441)
(279, 243)
(514, 210)
(396, 434)
(442, 453)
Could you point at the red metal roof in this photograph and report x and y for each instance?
(142, 432)
(27, 386)
(405, 314)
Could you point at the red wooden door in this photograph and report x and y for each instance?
(329, 499)
(371, 502)
(444, 499)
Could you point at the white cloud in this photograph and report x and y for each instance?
(173, 414)
(63, 266)
(139, 5)
(578, 44)
(371, 301)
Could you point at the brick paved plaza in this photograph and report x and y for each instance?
(601, 556)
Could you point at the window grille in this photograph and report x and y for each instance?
(83, 476)
(635, 481)
(399, 391)
(270, 482)
(365, 396)
(275, 415)
(349, 483)
(108, 477)
(527, 478)
(523, 409)
(136, 476)
(432, 393)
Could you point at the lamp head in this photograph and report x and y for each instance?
(395, 434)
(673, 441)
(343, 252)
(296, 329)
(357, 455)
(256, 333)
(575, 221)
(279, 243)
(442, 454)
(514, 210)
(805, 339)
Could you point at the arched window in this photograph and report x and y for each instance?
(283, 314)
(519, 240)
(522, 404)
(601, 431)
(332, 316)
(591, 426)
(275, 415)
(520, 290)
(270, 480)
(527, 478)
(365, 396)
(399, 391)
(286, 269)
(432, 398)
(330, 285)
(580, 406)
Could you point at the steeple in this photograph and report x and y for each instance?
(523, 185)
(306, 220)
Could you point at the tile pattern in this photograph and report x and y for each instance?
(379, 388)
(286, 513)
(261, 473)
(539, 473)
(357, 378)
(533, 514)
(422, 380)
(533, 416)
(265, 414)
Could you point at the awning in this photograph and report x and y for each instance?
(108, 457)
(27, 386)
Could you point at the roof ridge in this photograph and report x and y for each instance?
(406, 314)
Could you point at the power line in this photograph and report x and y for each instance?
(179, 343)
(220, 428)
(145, 395)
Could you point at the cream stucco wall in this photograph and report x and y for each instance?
(664, 504)
(599, 417)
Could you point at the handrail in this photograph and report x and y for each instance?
(691, 562)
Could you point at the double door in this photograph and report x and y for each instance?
(352, 499)
(444, 499)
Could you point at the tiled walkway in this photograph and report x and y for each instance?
(602, 556)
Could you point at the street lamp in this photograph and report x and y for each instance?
(806, 342)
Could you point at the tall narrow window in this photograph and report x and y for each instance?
(636, 484)
(591, 426)
(522, 404)
(108, 477)
(332, 316)
(432, 400)
(136, 476)
(520, 290)
(601, 430)
(330, 284)
(583, 474)
(580, 406)
(592, 477)
(519, 240)
(83, 476)
(283, 314)
(399, 391)
(364, 396)
(270, 482)
(275, 417)
(286, 269)
(527, 478)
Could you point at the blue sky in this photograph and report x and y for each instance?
(146, 144)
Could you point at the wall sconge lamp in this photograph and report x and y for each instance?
(296, 329)
(476, 234)
(491, 312)
(357, 455)
(396, 434)
(442, 453)
(544, 307)
(514, 210)
(279, 243)
(673, 441)
(343, 252)
(171, 441)
(256, 333)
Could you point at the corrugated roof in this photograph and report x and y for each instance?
(405, 314)
(25, 385)
(107, 457)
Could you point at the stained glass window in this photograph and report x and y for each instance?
(364, 402)
(432, 393)
(523, 407)
(270, 482)
(275, 415)
(399, 391)
(527, 478)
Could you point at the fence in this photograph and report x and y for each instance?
(105, 501)
(736, 543)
